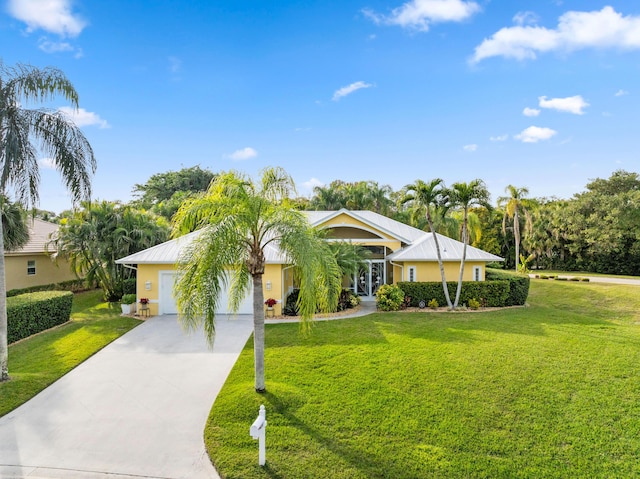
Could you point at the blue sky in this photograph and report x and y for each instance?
(543, 94)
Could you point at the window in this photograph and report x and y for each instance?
(411, 274)
(31, 267)
(477, 273)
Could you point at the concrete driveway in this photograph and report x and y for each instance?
(135, 409)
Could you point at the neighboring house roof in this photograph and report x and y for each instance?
(39, 235)
(420, 245)
(450, 250)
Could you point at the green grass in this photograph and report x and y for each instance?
(38, 361)
(549, 390)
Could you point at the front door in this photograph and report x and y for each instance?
(369, 279)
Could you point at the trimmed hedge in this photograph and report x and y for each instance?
(519, 290)
(74, 285)
(488, 293)
(31, 313)
(500, 289)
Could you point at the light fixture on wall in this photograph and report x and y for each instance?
(268, 285)
(147, 285)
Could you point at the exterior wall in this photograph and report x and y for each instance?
(47, 271)
(151, 272)
(273, 274)
(427, 271)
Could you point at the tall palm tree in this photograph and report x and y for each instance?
(239, 219)
(427, 196)
(464, 196)
(56, 136)
(513, 205)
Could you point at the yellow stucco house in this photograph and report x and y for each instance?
(31, 265)
(398, 253)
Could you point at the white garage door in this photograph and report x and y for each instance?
(167, 302)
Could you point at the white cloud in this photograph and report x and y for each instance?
(82, 117)
(420, 14)
(48, 46)
(525, 18)
(622, 93)
(243, 154)
(499, 138)
(347, 90)
(605, 28)
(534, 134)
(470, 148)
(530, 111)
(47, 163)
(311, 184)
(572, 104)
(53, 16)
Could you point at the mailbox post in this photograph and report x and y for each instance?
(258, 431)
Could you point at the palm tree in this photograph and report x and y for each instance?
(513, 204)
(427, 196)
(466, 195)
(57, 137)
(239, 219)
(14, 225)
(94, 237)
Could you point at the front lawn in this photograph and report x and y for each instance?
(549, 390)
(38, 361)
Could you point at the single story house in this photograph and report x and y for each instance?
(31, 265)
(398, 252)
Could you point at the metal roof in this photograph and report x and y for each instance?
(169, 252)
(395, 229)
(450, 250)
(39, 235)
(420, 245)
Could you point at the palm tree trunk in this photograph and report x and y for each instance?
(516, 234)
(465, 240)
(442, 276)
(258, 332)
(4, 346)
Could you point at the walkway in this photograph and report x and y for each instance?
(135, 409)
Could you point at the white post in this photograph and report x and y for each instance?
(258, 431)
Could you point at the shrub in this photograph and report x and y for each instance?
(291, 303)
(586, 280)
(544, 276)
(128, 299)
(433, 304)
(74, 285)
(518, 286)
(31, 313)
(559, 278)
(129, 286)
(389, 297)
(574, 278)
(347, 300)
(474, 303)
(492, 293)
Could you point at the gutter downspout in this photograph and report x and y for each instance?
(401, 269)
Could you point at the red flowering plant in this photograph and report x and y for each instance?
(270, 302)
(144, 300)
